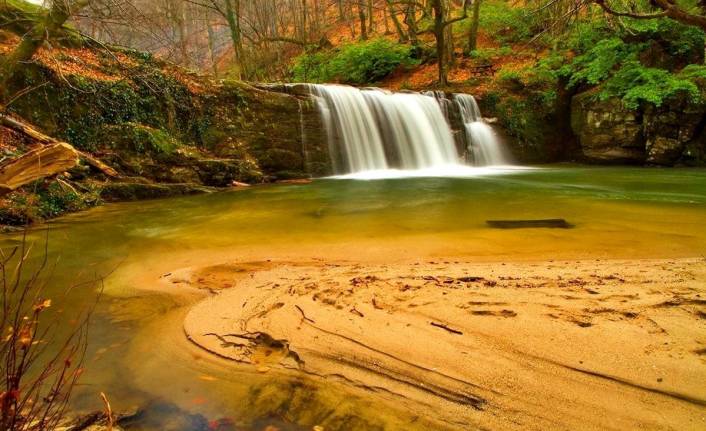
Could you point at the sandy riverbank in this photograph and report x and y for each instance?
(591, 344)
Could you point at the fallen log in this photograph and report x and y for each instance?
(558, 223)
(27, 130)
(41, 162)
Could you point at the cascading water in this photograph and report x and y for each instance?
(484, 145)
(377, 130)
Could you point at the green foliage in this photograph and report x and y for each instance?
(537, 84)
(143, 139)
(78, 112)
(506, 23)
(596, 65)
(694, 72)
(312, 67)
(637, 62)
(43, 200)
(636, 84)
(679, 39)
(511, 78)
(356, 63)
(521, 116)
(55, 200)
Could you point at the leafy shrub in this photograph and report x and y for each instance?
(43, 200)
(510, 78)
(355, 63)
(694, 72)
(55, 200)
(635, 84)
(312, 67)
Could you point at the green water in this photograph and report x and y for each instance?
(137, 351)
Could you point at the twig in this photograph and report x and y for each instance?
(446, 328)
(304, 315)
(355, 311)
(108, 411)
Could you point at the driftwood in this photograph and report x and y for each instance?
(41, 162)
(38, 136)
(446, 328)
(558, 223)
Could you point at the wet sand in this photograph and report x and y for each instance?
(587, 344)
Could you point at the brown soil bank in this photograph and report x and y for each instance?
(547, 345)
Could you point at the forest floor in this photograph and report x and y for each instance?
(587, 344)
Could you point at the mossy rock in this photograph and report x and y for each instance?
(137, 138)
(222, 172)
(115, 192)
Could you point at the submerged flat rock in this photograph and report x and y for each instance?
(555, 223)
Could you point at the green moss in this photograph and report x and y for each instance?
(78, 110)
(132, 137)
(18, 16)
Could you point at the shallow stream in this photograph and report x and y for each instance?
(138, 352)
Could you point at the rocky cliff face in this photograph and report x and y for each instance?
(166, 126)
(608, 132)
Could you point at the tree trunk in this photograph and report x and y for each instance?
(211, 45)
(341, 12)
(371, 18)
(46, 27)
(439, 14)
(40, 137)
(305, 19)
(473, 32)
(398, 27)
(233, 18)
(179, 18)
(361, 16)
(36, 164)
(410, 19)
(384, 20)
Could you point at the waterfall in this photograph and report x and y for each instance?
(484, 145)
(380, 130)
(376, 130)
(348, 116)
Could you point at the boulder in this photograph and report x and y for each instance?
(669, 129)
(667, 135)
(607, 131)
